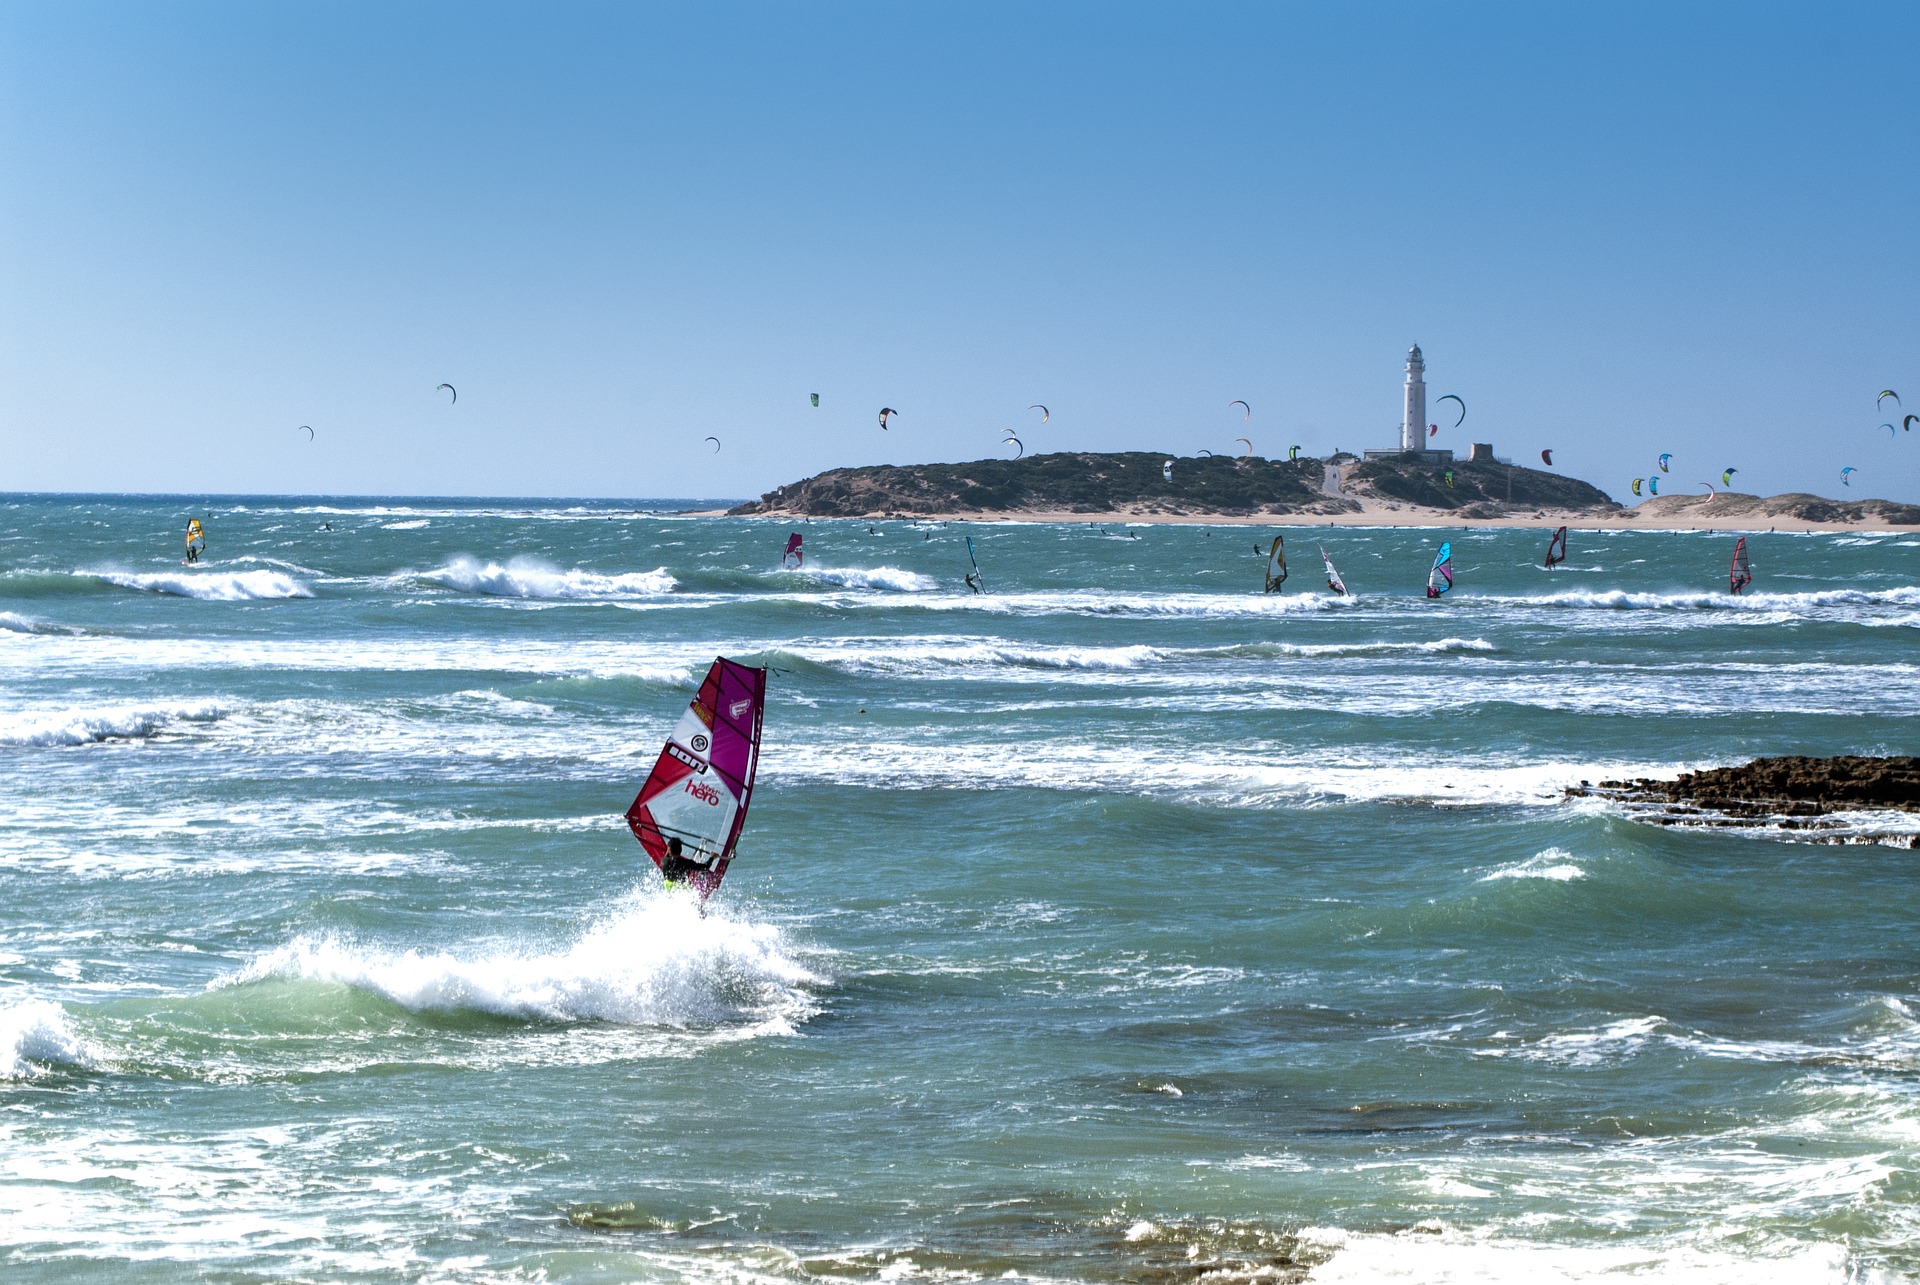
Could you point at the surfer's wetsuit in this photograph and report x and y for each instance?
(677, 868)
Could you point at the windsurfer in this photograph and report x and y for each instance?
(677, 867)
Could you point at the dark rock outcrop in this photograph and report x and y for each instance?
(1790, 794)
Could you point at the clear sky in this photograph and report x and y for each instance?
(1614, 229)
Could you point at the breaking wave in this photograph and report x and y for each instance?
(1624, 600)
(35, 1036)
(873, 578)
(656, 962)
(524, 578)
(103, 723)
(1555, 864)
(209, 586)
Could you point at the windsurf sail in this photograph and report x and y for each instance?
(1557, 548)
(1334, 582)
(689, 813)
(1741, 573)
(196, 539)
(974, 582)
(1440, 579)
(794, 552)
(1276, 563)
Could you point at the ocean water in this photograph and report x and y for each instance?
(1120, 924)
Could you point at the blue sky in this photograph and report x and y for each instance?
(1615, 230)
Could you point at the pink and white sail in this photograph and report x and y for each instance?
(689, 814)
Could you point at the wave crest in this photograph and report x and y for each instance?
(35, 1036)
(657, 963)
(894, 578)
(208, 586)
(102, 723)
(525, 578)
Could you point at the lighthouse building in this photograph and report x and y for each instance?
(1413, 420)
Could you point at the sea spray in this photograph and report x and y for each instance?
(655, 960)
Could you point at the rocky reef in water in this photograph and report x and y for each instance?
(1818, 799)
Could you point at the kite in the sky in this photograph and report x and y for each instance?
(1243, 406)
(1546, 458)
(1453, 397)
(816, 398)
(1016, 442)
(1636, 486)
(716, 444)
(1663, 463)
(309, 429)
(885, 411)
(450, 388)
(1884, 394)
(1844, 479)
(1249, 454)
(1726, 476)
(1045, 414)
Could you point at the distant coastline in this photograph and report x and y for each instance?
(1149, 487)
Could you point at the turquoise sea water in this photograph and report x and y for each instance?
(1118, 925)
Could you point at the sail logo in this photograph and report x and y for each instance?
(704, 792)
(739, 707)
(676, 752)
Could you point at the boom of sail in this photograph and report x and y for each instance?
(689, 814)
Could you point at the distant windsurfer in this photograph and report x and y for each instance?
(973, 581)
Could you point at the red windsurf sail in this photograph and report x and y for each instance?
(689, 813)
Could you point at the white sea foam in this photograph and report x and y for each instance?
(525, 578)
(13, 623)
(100, 723)
(1554, 863)
(931, 654)
(1434, 1254)
(655, 962)
(35, 1036)
(413, 524)
(892, 578)
(1626, 600)
(209, 586)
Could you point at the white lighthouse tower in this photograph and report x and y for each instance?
(1413, 417)
(1413, 428)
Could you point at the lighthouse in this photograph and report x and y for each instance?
(1413, 428)
(1413, 417)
